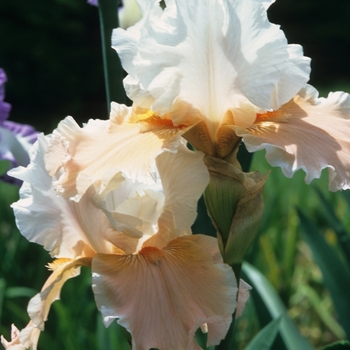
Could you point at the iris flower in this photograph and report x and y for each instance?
(15, 139)
(223, 69)
(120, 197)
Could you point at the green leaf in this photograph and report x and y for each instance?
(112, 338)
(336, 276)
(322, 311)
(265, 338)
(339, 345)
(342, 234)
(2, 293)
(201, 339)
(16, 292)
(264, 293)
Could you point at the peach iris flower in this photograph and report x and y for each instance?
(224, 69)
(120, 197)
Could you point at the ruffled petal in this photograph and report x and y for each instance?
(65, 228)
(96, 153)
(293, 79)
(163, 296)
(211, 56)
(15, 343)
(308, 133)
(168, 204)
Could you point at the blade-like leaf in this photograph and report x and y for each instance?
(265, 338)
(342, 234)
(322, 311)
(112, 338)
(291, 338)
(336, 276)
(339, 345)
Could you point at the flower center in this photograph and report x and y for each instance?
(274, 116)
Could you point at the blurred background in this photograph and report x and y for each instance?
(51, 53)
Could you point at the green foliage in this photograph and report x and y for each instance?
(265, 338)
(269, 306)
(340, 345)
(336, 272)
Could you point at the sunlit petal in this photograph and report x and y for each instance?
(293, 79)
(95, 153)
(65, 228)
(308, 133)
(163, 296)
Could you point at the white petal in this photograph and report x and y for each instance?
(293, 79)
(65, 228)
(213, 56)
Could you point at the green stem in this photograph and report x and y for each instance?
(113, 72)
(227, 342)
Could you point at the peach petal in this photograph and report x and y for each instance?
(96, 153)
(308, 133)
(14, 344)
(163, 296)
(243, 296)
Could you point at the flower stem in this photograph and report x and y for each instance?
(113, 72)
(227, 342)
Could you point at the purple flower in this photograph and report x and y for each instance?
(93, 2)
(15, 139)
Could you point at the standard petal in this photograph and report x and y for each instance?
(96, 153)
(163, 296)
(184, 178)
(211, 56)
(164, 209)
(308, 133)
(293, 79)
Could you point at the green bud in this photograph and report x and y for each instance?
(235, 204)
